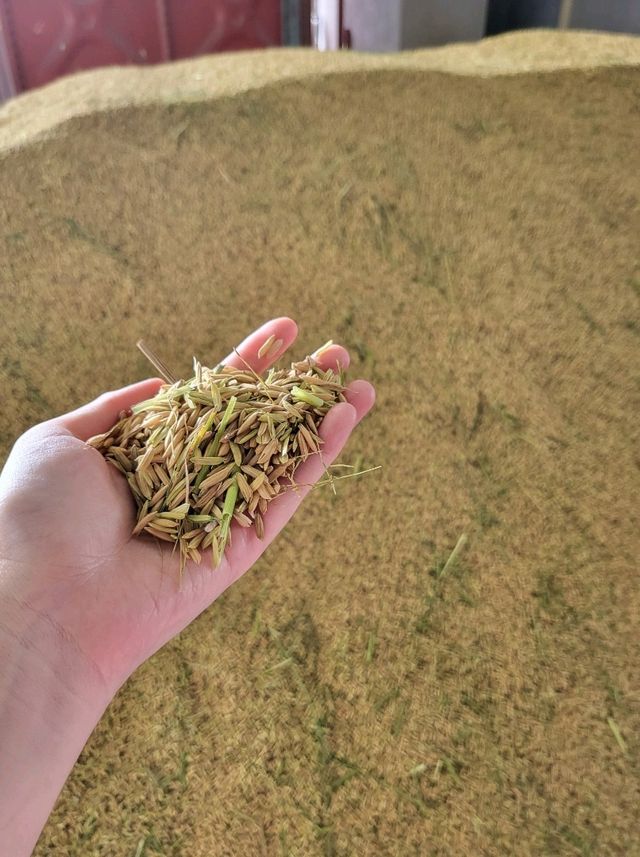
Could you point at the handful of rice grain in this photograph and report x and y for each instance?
(217, 448)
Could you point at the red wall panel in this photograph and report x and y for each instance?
(44, 39)
(207, 26)
(55, 37)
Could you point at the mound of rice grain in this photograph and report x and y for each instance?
(218, 447)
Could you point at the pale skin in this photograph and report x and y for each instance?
(83, 603)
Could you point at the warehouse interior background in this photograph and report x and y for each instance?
(41, 40)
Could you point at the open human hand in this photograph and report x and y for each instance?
(66, 518)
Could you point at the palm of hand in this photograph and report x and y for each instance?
(116, 599)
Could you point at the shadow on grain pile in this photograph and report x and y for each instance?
(474, 243)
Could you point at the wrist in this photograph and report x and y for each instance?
(47, 660)
(49, 705)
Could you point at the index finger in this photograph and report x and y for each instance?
(264, 346)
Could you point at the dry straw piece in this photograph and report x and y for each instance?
(218, 448)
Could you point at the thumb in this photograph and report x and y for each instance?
(98, 416)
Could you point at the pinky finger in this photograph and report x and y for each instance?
(335, 431)
(246, 547)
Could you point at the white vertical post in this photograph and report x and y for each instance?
(325, 18)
